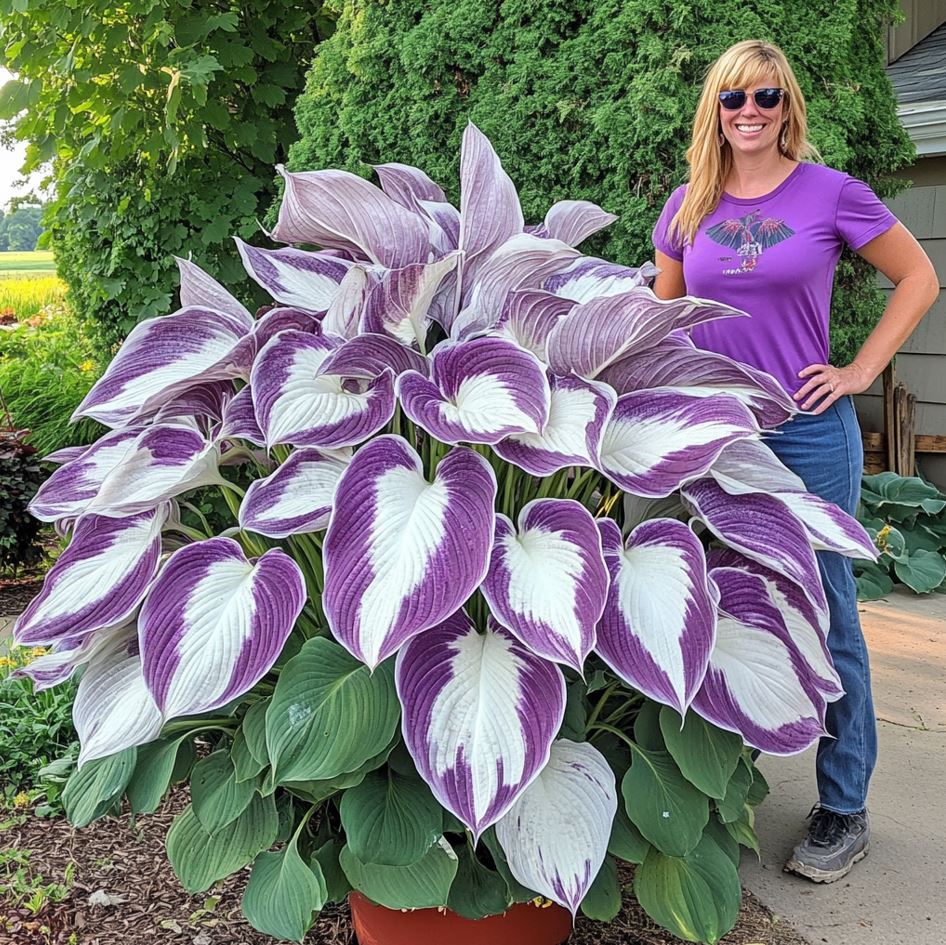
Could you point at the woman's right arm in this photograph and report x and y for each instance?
(669, 283)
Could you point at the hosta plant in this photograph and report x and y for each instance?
(513, 591)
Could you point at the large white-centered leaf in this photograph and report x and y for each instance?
(479, 715)
(297, 497)
(298, 404)
(401, 554)
(578, 413)
(758, 683)
(98, 581)
(113, 708)
(829, 527)
(547, 580)
(479, 391)
(201, 290)
(555, 836)
(160, 358)
(658, 439)
(573, 221)
(659, 624)
(750, 466)
(590, 278)
(214, 623)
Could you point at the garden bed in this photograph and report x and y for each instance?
(124, 864)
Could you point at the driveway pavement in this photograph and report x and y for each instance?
(897, 896)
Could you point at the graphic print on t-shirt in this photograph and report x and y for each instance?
(748, 236)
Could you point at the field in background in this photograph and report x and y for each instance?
(28, 282)
(14, 264)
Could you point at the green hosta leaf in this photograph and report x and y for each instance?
(246, 766)
(603, 899)
(284, 893)
(93, 788)
(891, 542)
(336, 882)
(390, 819)
(873, 581)
(887, 488)
(696, 897)
(317, 791)
(200, 858)
(477, 891)
(759, 789)
(626, 843)
(329, 714)
(217, 796)
(743, 832)
(921, 571)
(737, 791)
(922, 539)
(721, 836)
(576, 715)
(154, 768)
(254, 731)
(421, 885)
(706, 755)
(647, 729)
(669, 811)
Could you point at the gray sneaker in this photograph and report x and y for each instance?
(835, 842)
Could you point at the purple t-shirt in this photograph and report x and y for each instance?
(774, 257)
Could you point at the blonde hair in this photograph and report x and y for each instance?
(741, 66)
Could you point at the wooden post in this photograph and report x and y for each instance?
(890, 424)
(906, 431)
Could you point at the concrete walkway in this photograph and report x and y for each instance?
(897, 896)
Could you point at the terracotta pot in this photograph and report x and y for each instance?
(522, 924)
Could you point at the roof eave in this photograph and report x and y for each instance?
(925, 122)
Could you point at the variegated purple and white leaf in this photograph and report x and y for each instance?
(64, 657)
(480, 391)
(298, 404)
(367, 356)
(480, 712)
(758, 684)
(522, 262)
(205, 402)
(659, 624)
(401, 554)
(573, 221)
(200, 290)
(673, 363)
(344, 316)
(159, 359)
(214, 623)
(489, 206)
(590, 278)
(65, 455)
(239, 419)
(166, 460)
(277, 319)
(656, 440)
(339, 210)
(407, 184)
(749, 465)
(296, 498)
(804, 624)
(555, 836)
(547, 580)
(295, 277)
(69, 490)
(529, 317)
(829, 527)
(98, 581)
(113, 708)
(443, 224)
(759, 526)
(399, 303)
(598, 333)
(578, 412)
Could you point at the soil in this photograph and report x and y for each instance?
(122, 865)
(16, 593)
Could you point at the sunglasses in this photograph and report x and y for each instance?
(764, 98)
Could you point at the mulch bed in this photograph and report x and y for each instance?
(16, 593)
(116, 858)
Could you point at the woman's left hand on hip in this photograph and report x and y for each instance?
(827, 383)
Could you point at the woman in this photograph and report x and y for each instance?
(761, 228)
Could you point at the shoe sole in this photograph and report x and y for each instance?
(823, 876)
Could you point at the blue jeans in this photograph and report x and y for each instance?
(827, 453)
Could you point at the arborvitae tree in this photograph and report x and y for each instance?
(594, 99)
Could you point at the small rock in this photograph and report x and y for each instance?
(101, 898)
(202, 938)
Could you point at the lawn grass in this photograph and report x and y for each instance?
(37, 261)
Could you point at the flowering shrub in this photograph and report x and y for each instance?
(513, 550)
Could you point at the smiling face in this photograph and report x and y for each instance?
(751, 129)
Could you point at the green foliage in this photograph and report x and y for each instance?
(906, 518)
(594, 100)
(20, 229)
(20, 478)
(35, 727)
(119, 99)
